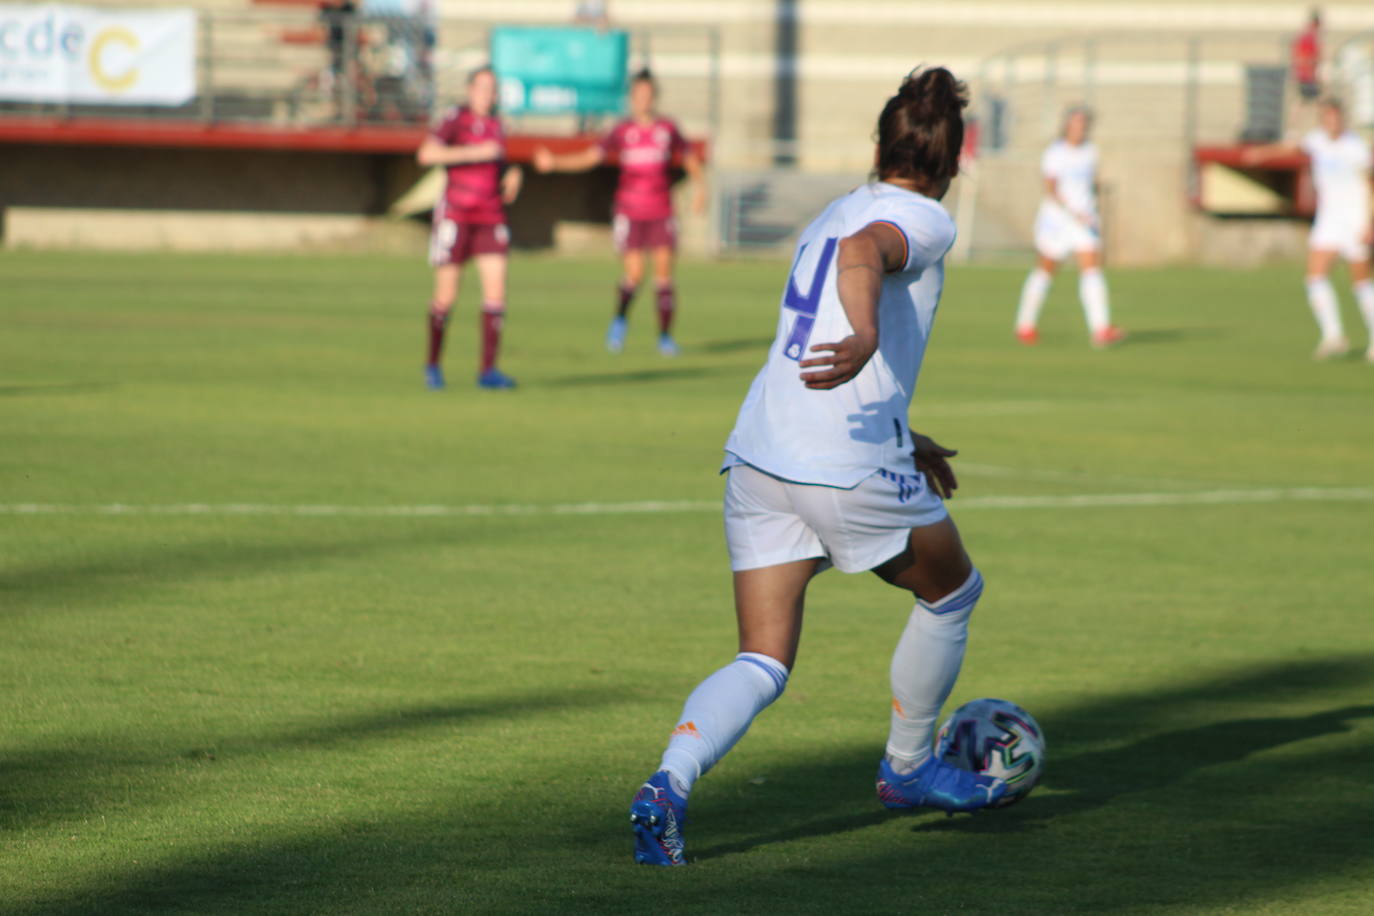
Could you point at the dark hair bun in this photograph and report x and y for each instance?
(921, 129)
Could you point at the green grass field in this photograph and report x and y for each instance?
(273, 710)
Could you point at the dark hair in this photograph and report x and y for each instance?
(1073, 111)
(644, 75)
(1333, 103)
(921, 129)
(496, 102)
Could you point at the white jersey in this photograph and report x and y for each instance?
(1340, 172)
(1074, 170)
(841, 436)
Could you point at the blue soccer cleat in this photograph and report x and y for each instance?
(615, 334)
(936, 784)
(658, 814)
(666, 345)
(495, 380)
(434, 377)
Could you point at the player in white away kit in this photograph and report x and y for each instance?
(1067, 224)
(821, 473)
(1341, 172)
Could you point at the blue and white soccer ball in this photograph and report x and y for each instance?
(997, 738)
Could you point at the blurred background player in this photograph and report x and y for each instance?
(1067, 223)
(1341, 173)
(470, 222)
(646, 143)
(809, 488)
(1306, 58)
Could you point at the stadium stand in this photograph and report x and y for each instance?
(782, 100)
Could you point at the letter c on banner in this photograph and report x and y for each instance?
(117, 82)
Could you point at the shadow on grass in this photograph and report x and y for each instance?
(750, 344)
(1172, 335)
(638, 376)
(141, 566)
(1182, 796)
(21, 391)
(44, 785)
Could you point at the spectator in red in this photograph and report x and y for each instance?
(1307, 58)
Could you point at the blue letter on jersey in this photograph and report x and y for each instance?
(806, 305)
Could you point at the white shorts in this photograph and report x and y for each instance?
(1058, 235)
(769, 521)
(1341, 233)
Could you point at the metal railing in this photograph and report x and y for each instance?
(1164, 88)
(1156, 97)
(293, 67)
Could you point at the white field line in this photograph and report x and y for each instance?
(661, 507)
(973, 469)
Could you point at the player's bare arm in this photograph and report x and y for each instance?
(434, 152)
(932, 460)
(863, 259)
(1052, 191)
(546, 161)
(1368, 237)
(1258, 155)
(511, 182)
(691, 163)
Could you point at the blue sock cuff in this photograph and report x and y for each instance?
(775, 669)
(962, 598)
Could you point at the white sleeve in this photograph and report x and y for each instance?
(1309, 142)
(1052, 164)
(927, 230)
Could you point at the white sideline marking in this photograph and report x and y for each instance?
(659, 507)
(997, 470)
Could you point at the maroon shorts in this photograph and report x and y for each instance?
(452, 242)
(633, 234)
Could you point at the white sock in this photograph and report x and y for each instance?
(718, 713)
(1364, 295)
(924, 669)
(1322, 298)
(1033, 293)
(1092, 289)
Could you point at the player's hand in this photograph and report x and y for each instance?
(932, 460)
(543, 159)
(699, 201)
(846, 359)
(510, 184)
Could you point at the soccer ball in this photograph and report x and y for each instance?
(998, 738)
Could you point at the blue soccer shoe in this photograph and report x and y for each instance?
(615, 334)
(658, 814)
(936, 784)
(667, 346)
(495, 380)
(434, 377)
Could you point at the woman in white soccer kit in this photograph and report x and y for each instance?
(824, 470)
(1341, 163)
(1067, 224)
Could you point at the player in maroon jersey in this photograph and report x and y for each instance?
(645, 144)
(470, 221)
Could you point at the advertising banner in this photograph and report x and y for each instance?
(559, 70)
(77, 54)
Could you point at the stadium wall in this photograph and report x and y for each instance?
(849, 57)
